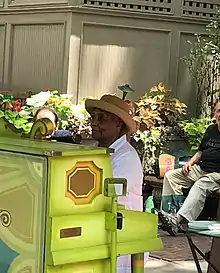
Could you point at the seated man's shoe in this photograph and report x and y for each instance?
(182, 228)
(169, 222)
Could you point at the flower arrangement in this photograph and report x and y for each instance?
(11, 110)
(61, 104)
(72, 117)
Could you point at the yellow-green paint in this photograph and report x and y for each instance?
(47, 148)
(95, 241)
(98, 266)
(32, 189)
(22, 187)
(61, 205)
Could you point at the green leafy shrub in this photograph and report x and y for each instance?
(158, 114)
(194, 130)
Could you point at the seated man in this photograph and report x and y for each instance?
(202, 172)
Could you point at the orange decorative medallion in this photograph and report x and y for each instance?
(83, 182)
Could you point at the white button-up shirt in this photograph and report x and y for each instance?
(126, 164)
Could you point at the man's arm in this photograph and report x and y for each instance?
(197, 156)
(195, 159)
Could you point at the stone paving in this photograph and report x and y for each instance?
(161, 266)
(177, 248)
(176, 257)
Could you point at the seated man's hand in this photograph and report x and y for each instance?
(186, 168)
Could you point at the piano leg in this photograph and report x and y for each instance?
(137, 263)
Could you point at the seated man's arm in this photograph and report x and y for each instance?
(196, 158)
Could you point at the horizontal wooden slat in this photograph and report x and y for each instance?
(35, 2)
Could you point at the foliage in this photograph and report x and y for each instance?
(11, 110)
(158, 114)
(157, 107)
(71, 116)
(194, 130)
(203, 63)
(61, 104)
(79, 122)
(153, 140)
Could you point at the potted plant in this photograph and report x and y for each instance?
(159, 114)
(13, 115)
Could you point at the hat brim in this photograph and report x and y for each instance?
(90, 104)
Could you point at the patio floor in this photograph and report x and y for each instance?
(177, 248)
(176, 256)
(161, 266)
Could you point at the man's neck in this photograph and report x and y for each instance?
(106, 143)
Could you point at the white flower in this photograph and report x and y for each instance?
(39, 99)
(79, 111)
(66, 96)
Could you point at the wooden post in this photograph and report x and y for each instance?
(214, 255)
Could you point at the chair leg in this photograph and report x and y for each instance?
(195, 249)
(195, 257)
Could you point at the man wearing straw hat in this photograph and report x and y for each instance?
(111, 121)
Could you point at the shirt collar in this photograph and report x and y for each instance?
(118, 143)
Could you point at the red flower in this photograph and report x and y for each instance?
(16, 103)
(8, 106)
(18, 108)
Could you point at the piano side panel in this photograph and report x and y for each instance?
(22, 207)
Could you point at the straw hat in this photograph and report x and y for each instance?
(116, 106)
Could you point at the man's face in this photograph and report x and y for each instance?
(217, 113)
(105, 126)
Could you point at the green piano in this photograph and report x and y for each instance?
(59, 211)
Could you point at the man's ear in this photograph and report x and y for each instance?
(123, 128)
(120, 123)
